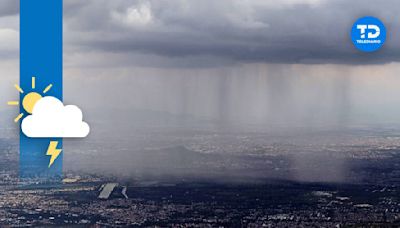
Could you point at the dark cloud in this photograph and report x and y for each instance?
(288, 31)
(245, 31)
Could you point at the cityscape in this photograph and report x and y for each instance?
(208, 187)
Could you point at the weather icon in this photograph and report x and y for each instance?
(49, 118)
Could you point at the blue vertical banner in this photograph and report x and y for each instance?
(41, 67)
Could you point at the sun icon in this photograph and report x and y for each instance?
(29, 100)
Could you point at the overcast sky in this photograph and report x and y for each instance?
(152, 63)
(143, 47)
(209, 32)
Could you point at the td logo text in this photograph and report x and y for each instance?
(376, 31)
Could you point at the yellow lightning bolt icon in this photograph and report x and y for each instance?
(53, 152)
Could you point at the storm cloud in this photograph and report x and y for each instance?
(230, 30)
(207, 33)
(212, 65)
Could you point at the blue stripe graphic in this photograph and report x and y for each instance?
(41, 57)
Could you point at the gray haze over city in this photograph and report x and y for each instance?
(172, 74)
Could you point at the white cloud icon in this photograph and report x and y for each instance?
(51, 119)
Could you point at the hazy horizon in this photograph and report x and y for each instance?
(213, 66)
